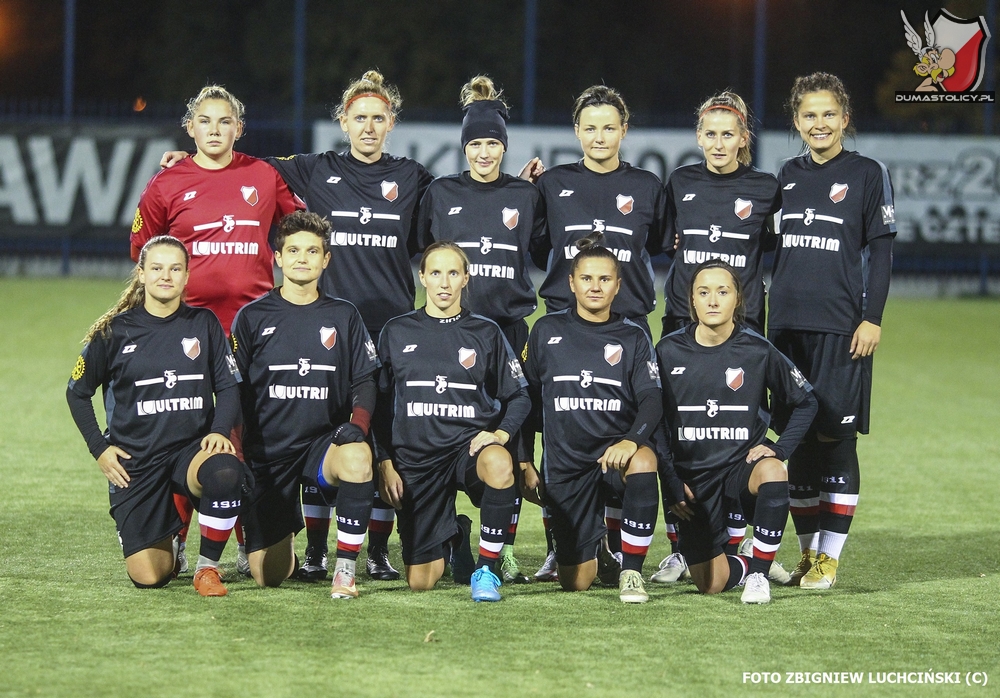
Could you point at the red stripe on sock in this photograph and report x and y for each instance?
(215, 534)
(838, 509)
(483, 552)
(317, 524)
(238, 530)
(613, 524)
(735, 540)
(347, 548)
(762, 555)
(378, 526)
(634, 549)
(804, 511)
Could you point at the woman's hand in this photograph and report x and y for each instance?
(110, 464)
(171, 158)
(760, 451)
(618, 455)
(488, 438)
(533, 170)
(217, 443)
(532, 487)
(682, 510)
(390, 484)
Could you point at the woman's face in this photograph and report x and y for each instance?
(595, 283)
(164, 273)
(444, 277)
(484, 156)
(600, 131)
(214, 128)
(367, 122)
(821, 121)
(720, 139)
(714, 296)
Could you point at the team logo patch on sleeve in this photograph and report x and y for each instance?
(743, 208)
(79, 369)
(250, 195)
(613, 353)
(390, 191)
(467, 357)
(370, 350)
(654, 371)
(137, 222)
(510, 218)
(797, 376)
(734, 378)
(625, 204)
(191, 347)
(888, 214)
(515, 369)
(232, 340)
(328, 336)
(838, 192)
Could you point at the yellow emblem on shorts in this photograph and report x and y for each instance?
(137, 222)
(79, 369)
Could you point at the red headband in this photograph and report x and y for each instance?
(366, 94)
(723, 106)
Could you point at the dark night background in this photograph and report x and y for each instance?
(665, 57)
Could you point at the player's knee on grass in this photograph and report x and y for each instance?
(271, 566)
(644, 461)
(423, 577)
(495, 467)
(578, 577)
(350, 463)
(710, 577)
(155, 585)
(153, 567)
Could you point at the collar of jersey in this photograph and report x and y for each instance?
(454, 319)
(813, 165)
(615, 317)
(740, 170)
(467, 180)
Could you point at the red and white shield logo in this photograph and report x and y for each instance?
(613, 353)
(734, 378)
(510, 218)
(390, 191)
(328, 336)
(625, 204)
(250, 195)
(838, 192)
(968, 39)
(191, 347)
(467, 357)
(743, 208)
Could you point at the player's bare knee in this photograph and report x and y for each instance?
(495, 467)
(350, 462)
(771, 470)
(644, 461)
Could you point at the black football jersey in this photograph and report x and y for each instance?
(495, 223)
(829, 214)
(627, 205)
(298, 364)
(372, 208)
(159, 377)
(589, 376)
(719, 216)
(448, 379)
(715, 399)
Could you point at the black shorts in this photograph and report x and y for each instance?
(272, 511)
(517, 336)
(716, 494)
(427, 518)
(842, 385)
(576, 512)
(144, 512)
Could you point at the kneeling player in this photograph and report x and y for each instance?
(307, 399)
(594, 381)
(160, 363)
(717, 374)
(456, 393)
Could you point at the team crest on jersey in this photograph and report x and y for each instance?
(304, 367)
(714, 233)
(440, 384)
(485, 244)
(191, 347)
(169, 379)
(510, 217)
(711, 407)
(838, 192)
(625, 204)
(328, 336)
(734, 378)
(613, 353)
(366, 215)
(743, 208)
(228, 223)
(250, 195)
(390, 191)
(809, 216)
(467, 357)
(586, 378)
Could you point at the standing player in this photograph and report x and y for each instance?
(160, 363)
(717, 374)
(595, 384)
(221, 204)
(308, 396)
(455, 394)
(603, 195)
(495, 218)
(829, 287)
(721, 208)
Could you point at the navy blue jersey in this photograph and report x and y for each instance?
(719, 216)
(715, 399)
(372, 207)
(298, 363)
(830, 213)
(627, 205)
(447, 379)
(589, 376)
(495, 223)
(159, 377)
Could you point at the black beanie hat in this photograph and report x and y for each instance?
(485, 118)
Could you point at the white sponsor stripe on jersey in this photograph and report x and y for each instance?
(420, 384)
(463, 386)
(207, 226)
(311, 511)
(191, 377)
(323, 367)
(215, 522)
(733, 408)
(386, 216)
(283, 367)
(350, 538)
(834, 498)
(694, 231)
(736, 236)
(830, 219)
(149, 381)
(501, 246)
(467, 244)
(616, 229)
(588, 226)
(691, 408)
(800, 216)
(561, 379)
(254, 223)
(792, 216)
(345, 214)
(608, 381)
(636, 541)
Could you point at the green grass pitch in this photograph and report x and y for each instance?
(919, 587)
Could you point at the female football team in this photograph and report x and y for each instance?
(345, 400)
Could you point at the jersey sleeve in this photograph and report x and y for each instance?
(879, 211)
(241, 340)
(364, 355)
(424, 179)
(539, 234)
(670, 233)
(788, 385)
(425, 218)
(645, 375)
(768, 236)
(285, 201)
(88, 374)
(657, 227)
(384, 402)
(295, 170)
(151, 218)
(225, 373)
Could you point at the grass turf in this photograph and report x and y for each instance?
(918, 590)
